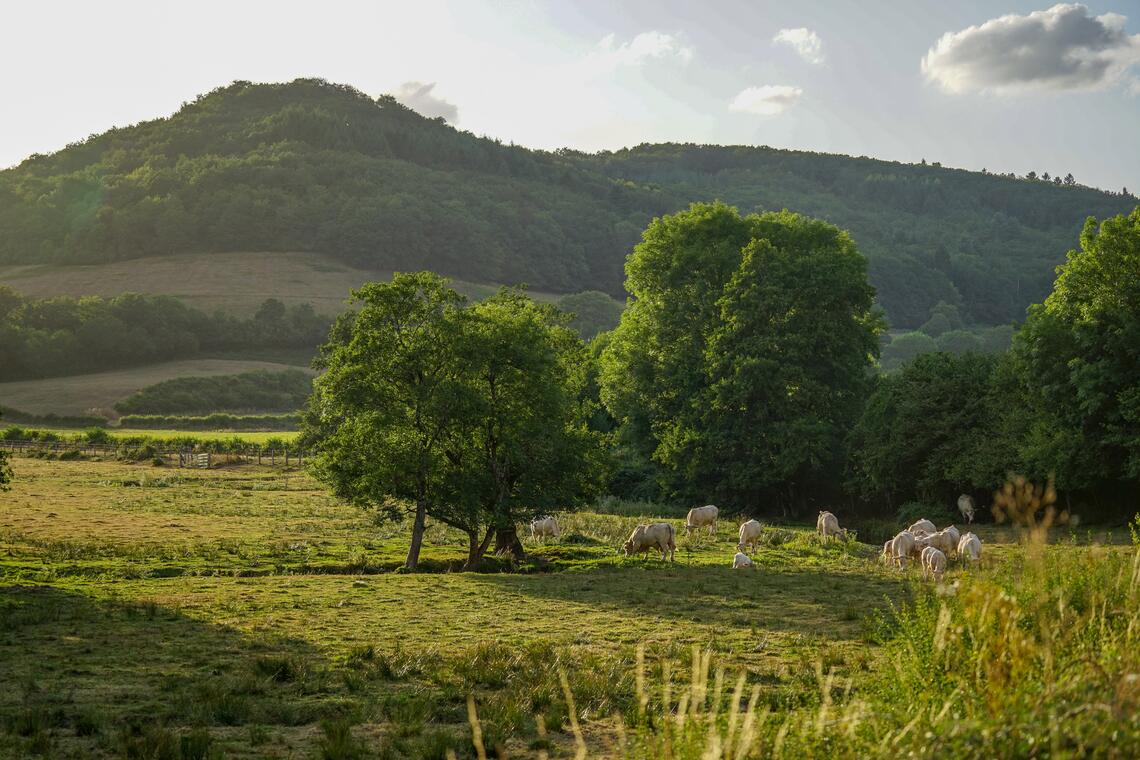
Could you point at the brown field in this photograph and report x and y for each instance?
(233, 282)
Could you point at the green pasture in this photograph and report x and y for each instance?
(243, 612)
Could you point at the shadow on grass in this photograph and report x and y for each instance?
(81, 673)
(813, 601)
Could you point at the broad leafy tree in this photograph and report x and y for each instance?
(474, 414)
(931, 431)
(1080, 360)
(381, 412)
(521, 445)
(744, 354)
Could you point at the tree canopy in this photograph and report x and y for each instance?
(743, 354)
(1079, 355)
(473, 413)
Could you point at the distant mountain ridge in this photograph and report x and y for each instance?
(313, 166)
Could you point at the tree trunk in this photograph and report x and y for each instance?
(476, 549)
(507, 542)
(417, 535)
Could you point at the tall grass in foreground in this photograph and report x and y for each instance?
(1035, 656)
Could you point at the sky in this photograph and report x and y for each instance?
(1008, 86)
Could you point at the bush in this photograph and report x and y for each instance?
(217, 421)
(249, 391)
(913, 511)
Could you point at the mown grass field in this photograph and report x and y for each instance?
(76, 394)
(236, 283)
(242, 612)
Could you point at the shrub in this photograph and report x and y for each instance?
(912, 511)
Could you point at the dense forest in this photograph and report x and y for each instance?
(47, 337)
(313, 166)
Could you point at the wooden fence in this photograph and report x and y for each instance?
(184, 457)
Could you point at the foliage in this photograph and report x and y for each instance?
(904, 348)
(472, 413)
(67, 336)
(959, 342)
(932, 430)
(5, 471)
(216, 421)
(314, 166)
(51, 420)
(1078, 360)
(259, 390)
(593, 311)
(691, 374)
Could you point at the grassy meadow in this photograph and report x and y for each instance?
(242, 612)
(236, 283)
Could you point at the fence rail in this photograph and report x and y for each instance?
(184, 457)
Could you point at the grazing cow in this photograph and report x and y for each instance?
(966, 507)
(741, 560)
(954, 534)
(970, 548)
(749, 535)
(942, 541)
(933, 563)
(541, 527)
(827, 525)
(902, 547)
(887, 555)
(922, 526)
(646, 537)
(700, 517)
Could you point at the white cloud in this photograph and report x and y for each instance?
(645, 47)
(1062, 48)
(766, 100)
(805, 42)
(418, 97)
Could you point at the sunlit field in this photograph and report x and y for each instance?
(160, 435)
(242, 612)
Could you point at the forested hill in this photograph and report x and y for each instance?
(312, 166)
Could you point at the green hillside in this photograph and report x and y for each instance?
(311, 166)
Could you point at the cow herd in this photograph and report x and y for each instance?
(922, 540)
(931, 547)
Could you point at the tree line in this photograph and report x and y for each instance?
(314, 166)
(741, 373)
(45, 337)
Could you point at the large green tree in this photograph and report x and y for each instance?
(473, 413)
(744, 354)
(931, 431)
(521, 445)
(379, 415)
(1079, 354)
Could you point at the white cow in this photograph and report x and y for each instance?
(970, 547)
(541, 527)
(749, 535)
(646, 537)
(700, 517)
(933, 563)
(902, 547)
(827, 525)
(922, 526)
(954, 534)
(966, 507)
(942, 541)
(741, 560)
